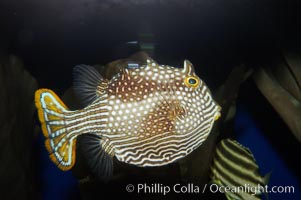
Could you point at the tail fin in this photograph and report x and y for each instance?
(51, 112)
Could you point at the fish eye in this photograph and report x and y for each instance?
(191, 81)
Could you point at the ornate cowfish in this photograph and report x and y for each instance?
(146, 115)
(235, 166)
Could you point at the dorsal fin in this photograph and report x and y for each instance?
(88, 84)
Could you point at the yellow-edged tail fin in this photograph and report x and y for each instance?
(51, 112)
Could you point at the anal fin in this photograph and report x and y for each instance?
(98, 160)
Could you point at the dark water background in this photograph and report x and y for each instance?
(53, 36)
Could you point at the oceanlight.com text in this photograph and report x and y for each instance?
(247, 188)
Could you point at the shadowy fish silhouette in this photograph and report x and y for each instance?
(234, 166)
(146, 115)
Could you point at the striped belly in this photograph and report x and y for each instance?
(160, 149)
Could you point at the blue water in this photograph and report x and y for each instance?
(265, 155)
(55, 184)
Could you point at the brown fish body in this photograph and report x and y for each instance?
(147, 116)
